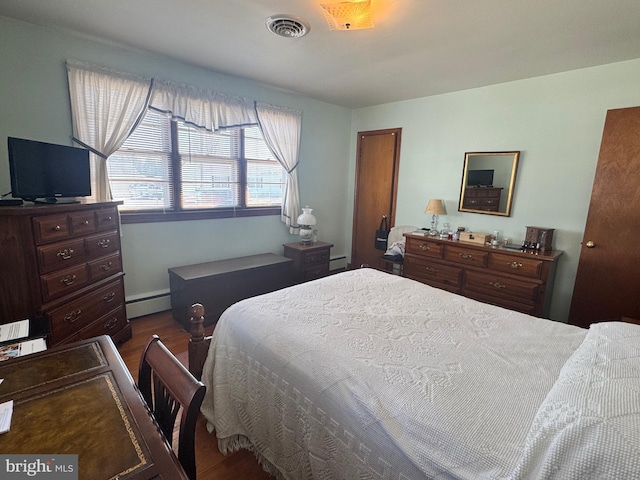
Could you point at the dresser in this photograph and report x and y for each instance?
(309, 261)
(63, 262)
(508, 278)
(486, 199)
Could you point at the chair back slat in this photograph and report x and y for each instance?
(169, 388)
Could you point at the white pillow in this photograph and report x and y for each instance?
(588, 427)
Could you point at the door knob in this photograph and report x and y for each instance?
(590, 244)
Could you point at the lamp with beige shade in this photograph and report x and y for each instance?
(435, 207)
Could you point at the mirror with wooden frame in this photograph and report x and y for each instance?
(488, 180)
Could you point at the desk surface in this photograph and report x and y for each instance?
(80, 399)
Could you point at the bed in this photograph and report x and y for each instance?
(366, 375)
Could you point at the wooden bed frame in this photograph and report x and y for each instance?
(198, 342)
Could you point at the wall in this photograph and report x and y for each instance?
(556, 122)
(35, 105)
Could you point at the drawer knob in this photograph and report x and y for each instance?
(104, 243)
(466, 256)
(57, 228)
(424, 247)
(430, 270)
(109, 297)
(73, 316)
(108, 218)
(68, 280)
(497, 286)
(65, 254)
(106, 266)
(514, 264)
(85, 223)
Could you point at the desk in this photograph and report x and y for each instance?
(80, 399)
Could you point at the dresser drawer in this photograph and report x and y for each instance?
(109, 324)
(432, 273)
(104, 267)
(49, 228)
(102, 244)
(82, 222)
(424, 248)
(106, 219)
(501, 287)
(60, 255)
(315, 258)
(316, 271)
(82, 311)
(63, 281)
(527, 267)
(466, 256)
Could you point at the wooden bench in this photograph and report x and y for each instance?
(217, 285)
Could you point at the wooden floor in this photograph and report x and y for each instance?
(210, 463)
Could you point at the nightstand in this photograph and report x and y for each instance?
(309, 261)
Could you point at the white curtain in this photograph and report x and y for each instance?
(281, 131)
(106, 106)
(202, 108)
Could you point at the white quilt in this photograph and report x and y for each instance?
(365, 375)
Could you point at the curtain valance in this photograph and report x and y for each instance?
(107, 105)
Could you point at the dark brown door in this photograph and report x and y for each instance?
(377, 159)
(608, 278)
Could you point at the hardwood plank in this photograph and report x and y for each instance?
(210, 463)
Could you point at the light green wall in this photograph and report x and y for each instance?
(34, 104)
(555, 121)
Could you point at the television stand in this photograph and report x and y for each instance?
(56, 200)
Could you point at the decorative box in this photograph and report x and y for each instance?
(539, 236)
(475, 237)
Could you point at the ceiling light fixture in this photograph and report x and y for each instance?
(287, 26)
(348, 15)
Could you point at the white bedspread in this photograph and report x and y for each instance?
(366, 375)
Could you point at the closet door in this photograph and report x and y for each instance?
(378, 157)
(607, 283)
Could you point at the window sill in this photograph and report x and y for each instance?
(127, 217)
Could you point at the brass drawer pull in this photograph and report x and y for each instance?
(65, 254)
(497, 286)
(68, 280)
(109, 297)
(111, 323)
(106, 266)
(514, 264)
(424, 247)
(104, 243)
(430, 270)
(73, 316)
(466, 256)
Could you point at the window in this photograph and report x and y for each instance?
(167, 170)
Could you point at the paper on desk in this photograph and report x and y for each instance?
(6, 410)
(11, 331)
(22, 348)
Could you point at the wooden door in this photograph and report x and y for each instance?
(607, 283)
(377, 159)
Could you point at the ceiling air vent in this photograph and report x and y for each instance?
(287, 26)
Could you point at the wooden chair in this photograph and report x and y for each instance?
(168, 388)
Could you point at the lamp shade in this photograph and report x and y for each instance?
(307, 218)
(435, 207)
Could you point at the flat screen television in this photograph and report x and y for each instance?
(480, 178)
(46, 172)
